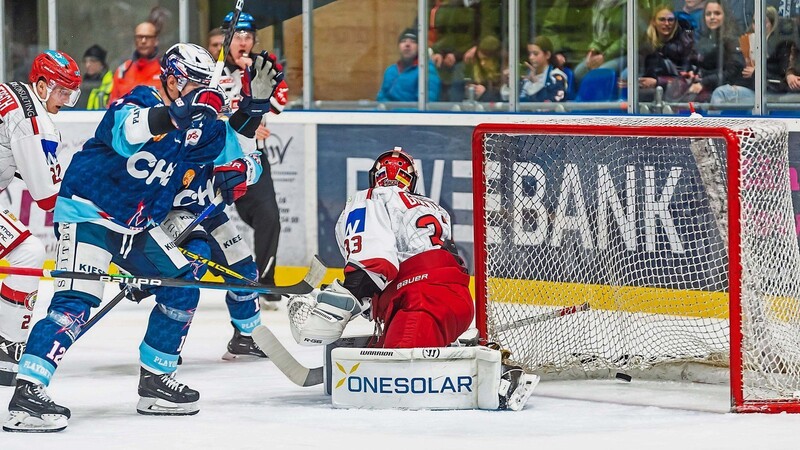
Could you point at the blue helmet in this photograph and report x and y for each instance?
(246, 22)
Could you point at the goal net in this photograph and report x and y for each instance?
(641, 245)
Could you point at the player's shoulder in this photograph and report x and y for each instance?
(141, 96)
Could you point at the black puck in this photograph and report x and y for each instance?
(623, 377)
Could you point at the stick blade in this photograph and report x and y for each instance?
(284, 361)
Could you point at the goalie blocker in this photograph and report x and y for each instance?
(423, 378)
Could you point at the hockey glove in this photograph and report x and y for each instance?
(134, 292)
(259, 84)
(200, 104)
(230, 180)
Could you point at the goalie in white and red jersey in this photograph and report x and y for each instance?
(400, 257)
(29, 142)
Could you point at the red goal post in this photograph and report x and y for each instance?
(646, 245)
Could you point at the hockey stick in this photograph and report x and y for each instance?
(226, 44)
(218, 267)
(543, 317)
(313, 277)
(284, 361)
(178, 241)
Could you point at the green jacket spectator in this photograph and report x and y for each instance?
(97, 80)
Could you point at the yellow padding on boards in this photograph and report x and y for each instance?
(650, 300)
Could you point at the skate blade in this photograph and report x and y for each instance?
(228, 356)
(22, 422)
(158, 407)
(520, 396)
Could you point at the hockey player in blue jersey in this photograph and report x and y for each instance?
(113, 196)
(218, 239)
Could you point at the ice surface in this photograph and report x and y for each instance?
(250, 405)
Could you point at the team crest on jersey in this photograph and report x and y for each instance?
(30, 300)
(355, 221)
(188, 176)
(193, 136)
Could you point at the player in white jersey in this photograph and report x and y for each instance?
(29, 143)
(400, 256)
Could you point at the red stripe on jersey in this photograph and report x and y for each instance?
(48, 203)
(35, 125)
(369, 193)
(377, 266)
(12, 296)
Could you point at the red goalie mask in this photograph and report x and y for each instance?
(394, 168)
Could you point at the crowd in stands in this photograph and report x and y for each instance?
(689, 51)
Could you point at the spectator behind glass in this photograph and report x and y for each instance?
(97, 79)
(486, 75)
(668, 50)
(781, 70)
(400, 79)
(143, 68)
(694, 10)
(545, 82)
(455, 29)
(607, 49)
(718, 58)
(216, 37)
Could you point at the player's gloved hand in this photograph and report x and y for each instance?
(134, 293)
(279, 97)
(230, 180)
(200, 104)
(259, 83)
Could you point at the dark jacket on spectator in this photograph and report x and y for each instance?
(675, 56)
(719, 64)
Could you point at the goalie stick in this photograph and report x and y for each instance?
(284, 361)
(561, 312)
(313, 277)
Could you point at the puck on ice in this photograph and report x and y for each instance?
(623, 377)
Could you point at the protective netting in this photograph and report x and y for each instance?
(635, 222)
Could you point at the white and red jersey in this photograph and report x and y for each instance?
(29, 142)
(380, 228)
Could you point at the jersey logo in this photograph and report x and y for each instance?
(355, 221)
(7, 102)
(145, 166)
(28, 107)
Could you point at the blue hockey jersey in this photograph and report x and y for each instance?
(127, 180)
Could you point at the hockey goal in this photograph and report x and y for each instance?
(641, 245)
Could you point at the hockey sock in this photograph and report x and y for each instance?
(51, 337)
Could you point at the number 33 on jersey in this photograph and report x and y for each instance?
(383, 226)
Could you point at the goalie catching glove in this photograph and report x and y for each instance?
(319, 318)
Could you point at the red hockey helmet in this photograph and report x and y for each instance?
(394, 168)
(57, 69)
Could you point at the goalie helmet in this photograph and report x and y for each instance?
(187, 62)
(394, 168)
(57, 68)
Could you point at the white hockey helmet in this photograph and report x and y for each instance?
(187, 62)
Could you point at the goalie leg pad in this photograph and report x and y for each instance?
(416, 378)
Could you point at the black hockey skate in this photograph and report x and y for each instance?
(242, 347)
(32, 411)
(161, 395)
(10, 353)
(516, 386)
